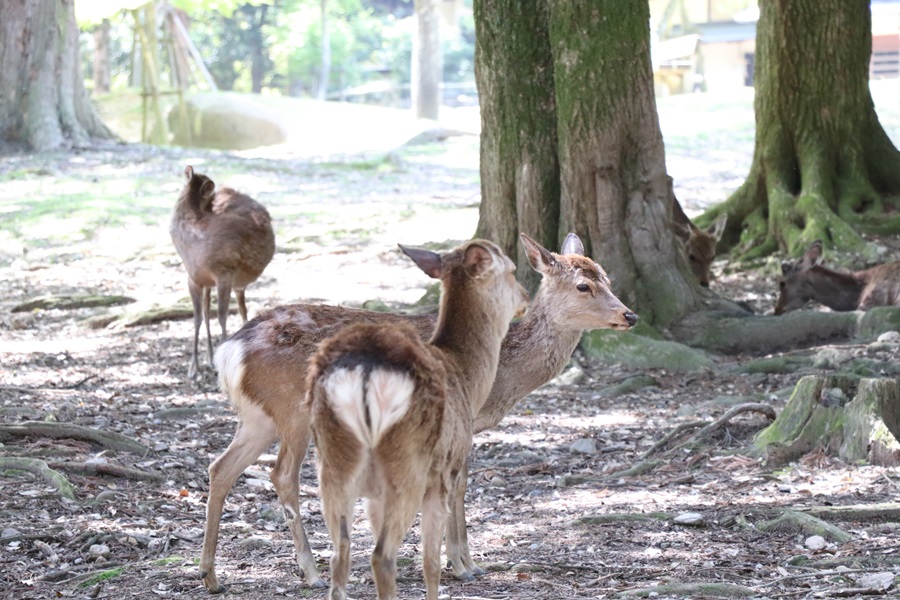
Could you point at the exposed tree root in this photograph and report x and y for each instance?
(107, 439)
(621, 517)
(69, 302)
(645, 466)
(678, 430)
(102, 467)
(792, 520)
(702, 590)
(724, 420)
(39, 468)
(887, 511)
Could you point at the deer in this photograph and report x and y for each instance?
(699, 244)
(225, 240)
(806, 279)
(262, 369)
(392, 415)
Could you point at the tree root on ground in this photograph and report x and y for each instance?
(102, 467)
(792, 520)
(40, 469)
(107, 439)
(620, 517)
(69, 302)
(703, 590)
(885, 511)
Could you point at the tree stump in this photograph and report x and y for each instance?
(852, 419)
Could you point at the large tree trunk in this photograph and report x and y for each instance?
(822, 163)
(43, 102)
(427, 61)
(101, 57)
(519, 164)
(589, 63)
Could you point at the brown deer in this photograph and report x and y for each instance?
(805, 280)
(392, 415)
(225, 240)
(699, 244)
(262, 366)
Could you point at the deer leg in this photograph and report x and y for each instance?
(196, 301)
(458, 555)
(337, 509)
(394, 513)
(242, 303)
(255, 433)
(434, 516)
(223, 291)
(209, 349)
(286, 478)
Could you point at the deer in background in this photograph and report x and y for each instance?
(805, 280)
(225, 240)
(262, 369)
(392, 416)
(699, 244)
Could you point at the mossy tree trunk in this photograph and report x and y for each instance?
(823, 167)
(571, 142)
(43, 103)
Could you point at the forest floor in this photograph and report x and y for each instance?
(550, 514)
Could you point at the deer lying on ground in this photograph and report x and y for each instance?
(392, 415)
(805, 280)
(699, 244)
(262, 368)
(224, 239)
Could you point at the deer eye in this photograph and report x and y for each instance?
(583, 287)
(781, 284)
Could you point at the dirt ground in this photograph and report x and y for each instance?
(546, 520)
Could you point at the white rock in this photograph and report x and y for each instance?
(584, 446)
(691, 518)
(815, 542)
(99, 551)
(889, 336)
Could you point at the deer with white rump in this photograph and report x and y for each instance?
(806, 280)
(392, 416)
(262, 368)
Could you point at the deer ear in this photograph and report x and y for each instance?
(478, 260)
(540, 258)
(718, 228)
(430, 262)
(813, 255)
(189, 172)
(572, 245)
(208, 189)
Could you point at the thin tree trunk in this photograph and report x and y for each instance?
(427, 60)
(325, 69)
(101, 57)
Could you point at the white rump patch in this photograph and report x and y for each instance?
(229, 361)
(388, 398)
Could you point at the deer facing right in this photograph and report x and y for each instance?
(806, 280)
(392, 416)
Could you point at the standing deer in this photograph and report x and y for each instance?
(224, 239)
(699, 244)
(806, 280)
(262, 369)
(392, 415)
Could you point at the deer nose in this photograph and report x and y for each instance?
(630, 318)
(704, 284)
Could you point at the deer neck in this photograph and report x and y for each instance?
(837, 291)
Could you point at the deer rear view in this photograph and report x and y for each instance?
(262, 368)
(392, 416)
(225, 240)
(806, 280)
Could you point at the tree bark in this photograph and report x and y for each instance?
(519, 165)
(43, 103)
(101, 57)
(569, 86)
(823, 165)
(427, 60)
(325, 65)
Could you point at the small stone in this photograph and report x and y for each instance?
(877, 581)
(890, 336)
(573, 376)
(584, 446)
(833, 397)
(498, 482)
(107, 496)
(98, 551)
(815, 542)
(8, 533)
(786, 489)
(255, 541)
(691, 518)
(268, 513)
